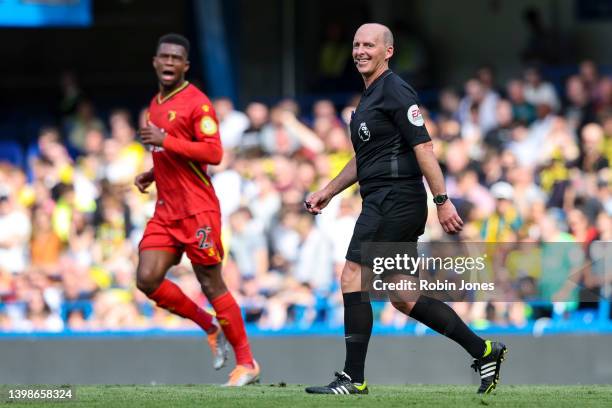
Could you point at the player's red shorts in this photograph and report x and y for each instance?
(199, 235)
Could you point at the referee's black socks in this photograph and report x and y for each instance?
(357, 330)
(440, 317)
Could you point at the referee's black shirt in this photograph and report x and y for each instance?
(385, 126)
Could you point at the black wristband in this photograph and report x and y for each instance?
(440, 199)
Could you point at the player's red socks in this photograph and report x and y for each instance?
(230, 320)
(169, 296)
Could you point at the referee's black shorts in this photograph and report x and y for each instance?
(395, 213)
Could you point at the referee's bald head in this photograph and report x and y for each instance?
(379, 29)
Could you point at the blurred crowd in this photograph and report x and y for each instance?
(525, 162)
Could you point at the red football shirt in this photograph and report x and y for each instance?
(187, 117)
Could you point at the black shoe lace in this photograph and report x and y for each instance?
(339, 379)
(475, 365)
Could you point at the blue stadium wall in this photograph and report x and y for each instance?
(184, 359)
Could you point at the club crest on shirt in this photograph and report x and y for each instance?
(414, 116)
(208, 126)
(364, 132)
(171, 115)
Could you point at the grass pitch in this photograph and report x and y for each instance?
(293, 396)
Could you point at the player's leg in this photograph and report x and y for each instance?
(227, 310)
(201, 235)
(230, 319)
(158, 251)
(150, 279)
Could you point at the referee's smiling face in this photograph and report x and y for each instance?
(371, 52)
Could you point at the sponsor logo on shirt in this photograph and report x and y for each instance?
(364, 132)
(414, 116)
(171, 115)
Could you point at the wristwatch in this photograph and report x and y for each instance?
(440, 199)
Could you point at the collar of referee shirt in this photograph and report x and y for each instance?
(369, 89)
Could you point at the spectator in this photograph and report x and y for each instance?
(592, 159)
(468, 188)
(258, 116)
(449, 102)
(525, 192)
(524, 146)
(46, 246)
(83, 120)
(581, 228)
(522, 111)
(266, 203)
(124, 157)
(15, 231)
(232, 123)
(479, 101)
(286, 134)
(562, 259)
(38, 315)
(486, 75)
(589, 74)
(500, 136)
(248, 245)
(538, 92)
(579, 109)
(505, 222)
(314, 259)
(603, 97)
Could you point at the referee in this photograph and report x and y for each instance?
(393, 151)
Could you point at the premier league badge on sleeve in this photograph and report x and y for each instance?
(364, 132)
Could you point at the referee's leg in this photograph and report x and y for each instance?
(358, 320)
(438, 316)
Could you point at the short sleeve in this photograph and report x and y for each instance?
(401, 103)
(205, 123)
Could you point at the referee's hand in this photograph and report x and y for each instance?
(317, 202)
(449, 219)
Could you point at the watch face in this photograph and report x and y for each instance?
(440, 199)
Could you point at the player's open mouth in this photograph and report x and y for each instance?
(361, 61)
(167, 75)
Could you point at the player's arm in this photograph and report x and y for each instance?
(401, 103)
(144, 180)
(206, 148)
(346, 178)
